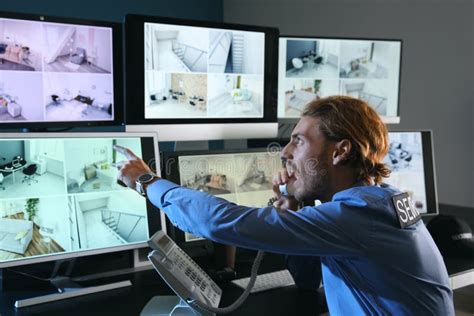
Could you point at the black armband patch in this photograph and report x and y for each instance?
(406, 212)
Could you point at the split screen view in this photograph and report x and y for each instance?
(61, 195)
(52, 72)
(315, 68)
(197, 72)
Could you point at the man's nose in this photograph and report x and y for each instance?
(286, 153)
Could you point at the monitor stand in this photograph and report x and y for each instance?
(64, 285)
(73, 290)
(168, 305)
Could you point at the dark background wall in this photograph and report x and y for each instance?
(115, 10)
(437, 65)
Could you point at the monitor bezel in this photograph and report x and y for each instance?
(118, 84)
(135, 70)
(152, 223)
(385, 119)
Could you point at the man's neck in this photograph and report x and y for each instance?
(341, 182)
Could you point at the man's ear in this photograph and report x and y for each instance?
(342, 152)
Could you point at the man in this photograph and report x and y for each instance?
(377, 256)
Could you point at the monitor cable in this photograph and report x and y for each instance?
(29, 275)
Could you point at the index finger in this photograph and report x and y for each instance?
(125, 151)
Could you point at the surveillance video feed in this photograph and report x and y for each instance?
(198, 72)
(312, 68)
(243, 178)
(61, 196)
(55, 72)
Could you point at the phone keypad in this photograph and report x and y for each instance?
(197, 276)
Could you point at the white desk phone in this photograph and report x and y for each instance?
(198, 293)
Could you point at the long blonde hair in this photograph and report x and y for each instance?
(349, 118)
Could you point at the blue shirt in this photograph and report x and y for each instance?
(370, 265)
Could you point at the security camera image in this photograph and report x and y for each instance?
(198, 72)
(405, 159)
(71, 98)
(31, 168)
(60, 195)
(312, 59)
(17, 103)
(311, 68)
(175, 95)
(176, 48)
(55, 72)
(108, 219)
(21, 48)
(299, 92)
(368, 59)
(33, 227)
(236, 52)
(374, 92)
(235, 96)
(91, 164)
(71, 48)
(242, 178)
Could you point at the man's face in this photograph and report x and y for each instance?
(308, 158)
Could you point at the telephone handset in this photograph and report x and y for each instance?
(188, 280)
(283, 189)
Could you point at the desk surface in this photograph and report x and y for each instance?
(9, 166)
(146, 284)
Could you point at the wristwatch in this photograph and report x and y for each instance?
(142, 181)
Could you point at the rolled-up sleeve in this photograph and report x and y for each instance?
(316, 231)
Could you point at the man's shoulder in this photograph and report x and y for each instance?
(370, 193)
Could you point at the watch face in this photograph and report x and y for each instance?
(144, 178)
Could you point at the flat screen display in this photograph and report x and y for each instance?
(184, 72)
(59, 196)
(313, 68)
(58, 72)
(197, 72)
(244, 178)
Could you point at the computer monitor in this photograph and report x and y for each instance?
(241, 176)
(411, 159)
(195, 80)
(59, 197)
(59, 72)
(315, 67)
